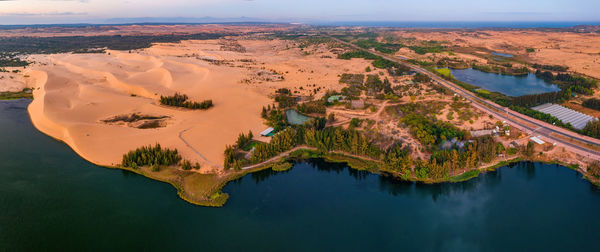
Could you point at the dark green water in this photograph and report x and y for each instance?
(51, 199)
(294, 117)
(506, 84)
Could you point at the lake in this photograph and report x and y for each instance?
(506, 84)
(505, 55)
(294, 117)
(52, 199)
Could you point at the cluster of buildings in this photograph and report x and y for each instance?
(495, 131)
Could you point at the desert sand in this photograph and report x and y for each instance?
(74, 93)
(579, 51)
(14, 82)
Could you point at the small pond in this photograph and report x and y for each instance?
(505, 55)
(294, 117)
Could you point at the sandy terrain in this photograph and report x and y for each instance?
(579, 51)
(111, 30)
(13, 82)
(74, 93)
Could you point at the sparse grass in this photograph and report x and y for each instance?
(483, 91)
(283, 166)
(25, 94)
(444, 72)
(251, 145)
(193, 187)
(465, 176)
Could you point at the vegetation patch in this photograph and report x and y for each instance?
(465, 176)
(282, 166)
(64, 44)
(181, 100)
(25, 94)
(137, 120)
(445, 72)
(313, 107)
(592, 103)
(428, 47)
(378, 46)
(352, 79)
(151, 156)
(483, 91)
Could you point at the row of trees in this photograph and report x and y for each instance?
(275, 118)
(181, 100)
(444, 163)
(592, 129)
(507, 69)
(231, 160)
(244, 139)
(556, 68)
(154, 156)
(187, 165)
(286, 100)
(592, 103)
(577, 84)
(441, 165)
(537, 99)
(311, 107)
(64, 44)
(380, 47)
(280, 142)
(378, 62)
(340, 139)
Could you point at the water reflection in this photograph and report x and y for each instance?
(397, 187)
(505, 84)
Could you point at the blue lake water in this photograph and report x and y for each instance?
(51, 199)
(506, 84)
(503, 55)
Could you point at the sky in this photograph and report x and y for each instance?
(103, 11)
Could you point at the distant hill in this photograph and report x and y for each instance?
(585, 28)
(183, 20)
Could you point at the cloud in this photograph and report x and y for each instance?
(30, 14)
(516, 13)
(82, 1)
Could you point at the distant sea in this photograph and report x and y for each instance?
(407, 24)
(538, 24)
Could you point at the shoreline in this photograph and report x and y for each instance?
(206, 189)
(215, 197)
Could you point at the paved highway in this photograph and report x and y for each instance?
(537, 127)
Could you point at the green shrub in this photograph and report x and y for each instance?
(179, 100)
